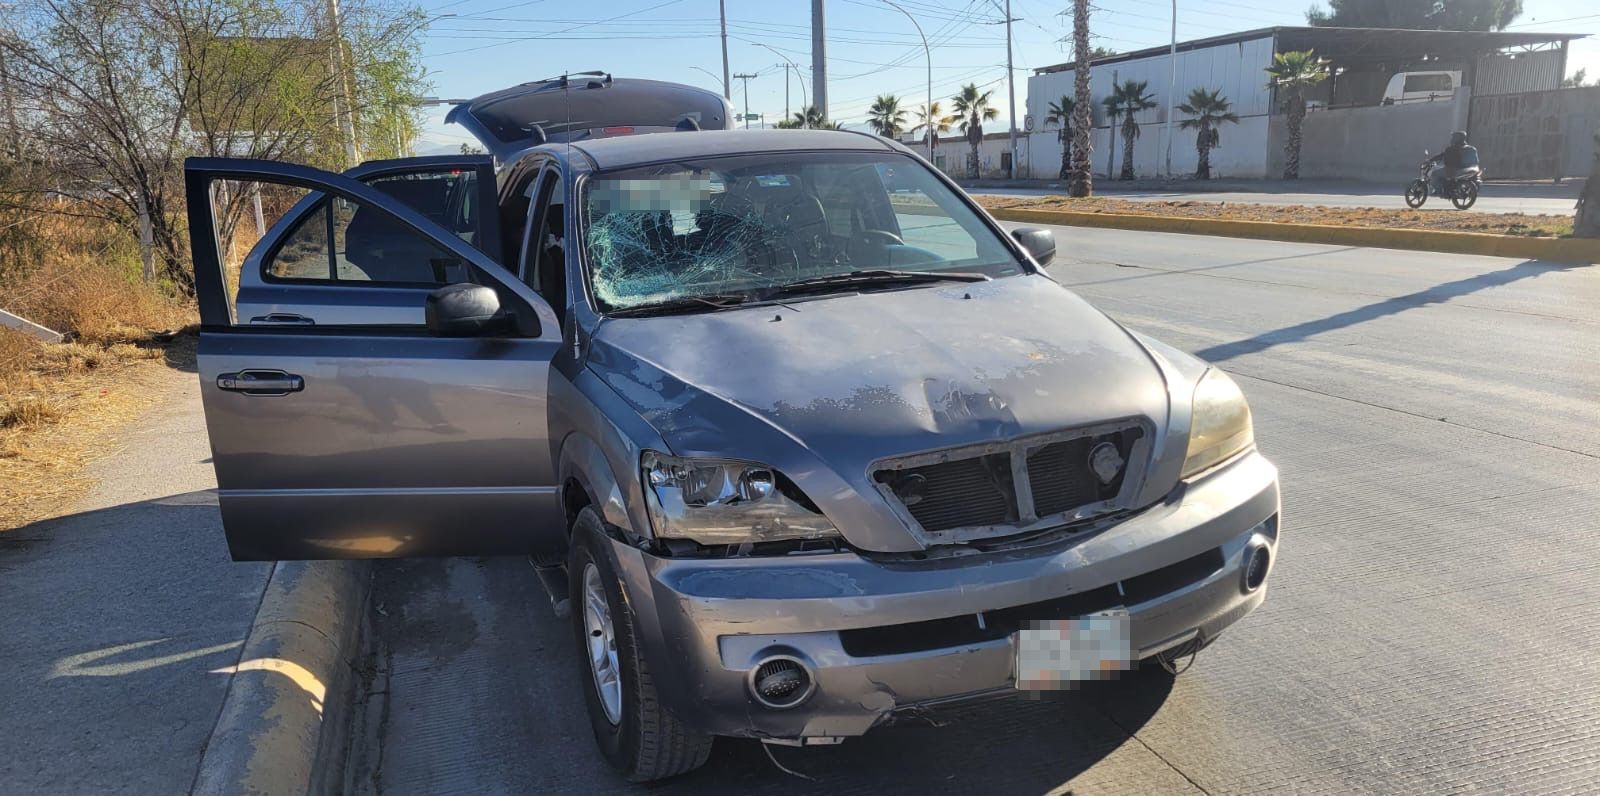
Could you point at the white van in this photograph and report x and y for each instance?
(1421, 87)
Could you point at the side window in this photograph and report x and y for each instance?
(360, 244)
(528, 251)
(551, 275)
(304, 253)
(340, 241)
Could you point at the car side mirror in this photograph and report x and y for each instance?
(1041, 243)
(465, 310)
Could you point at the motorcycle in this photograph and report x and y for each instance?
(1461, 190)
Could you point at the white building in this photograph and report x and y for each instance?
(1352, 134)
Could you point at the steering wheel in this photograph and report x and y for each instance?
(881, 237)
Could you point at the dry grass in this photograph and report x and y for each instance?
(59, 403)
(1516, 224)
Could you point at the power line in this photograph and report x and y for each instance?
(575, 27)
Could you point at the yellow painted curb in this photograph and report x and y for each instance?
(1572, 250)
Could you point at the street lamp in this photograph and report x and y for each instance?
(707, 71)
(804, 102)
(929, 53)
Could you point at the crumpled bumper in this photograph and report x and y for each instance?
(708, 622)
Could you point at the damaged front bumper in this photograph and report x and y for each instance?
(875, 638)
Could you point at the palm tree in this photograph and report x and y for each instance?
(808, 117)
(1113, 106)
(1061, 113)
(1209, 110)
(1131, 98)
(972, 106)
(931, 131)
(886, 117)
(1082, 172)
(1294, 72)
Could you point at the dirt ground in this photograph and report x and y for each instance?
(64, 409)
(1516, 224)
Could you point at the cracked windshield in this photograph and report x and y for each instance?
(744, 226)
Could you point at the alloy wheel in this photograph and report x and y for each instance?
(601, 640)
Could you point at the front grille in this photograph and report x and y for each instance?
(956, 631)
(1060, 477)
(979, 491)
(959, 494)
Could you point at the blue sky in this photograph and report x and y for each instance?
(474, 46)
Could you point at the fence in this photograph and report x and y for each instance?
(1536, 134)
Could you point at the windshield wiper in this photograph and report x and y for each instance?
(715, 301)
(872, 277)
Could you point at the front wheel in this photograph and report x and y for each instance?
(1465, 195)
(1416, 194)
(636, 733)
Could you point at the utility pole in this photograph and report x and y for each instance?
(746, 78)
(1172, 85)
(819, 59)
(1011, 87)
(343, 105)
(727, 89)
(788, 64)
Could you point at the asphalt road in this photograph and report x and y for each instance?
(119, 622)
(1495, 198)
(1429, 628)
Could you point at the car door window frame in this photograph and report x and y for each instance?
(535, 193)
(488, 223)
(535, 317)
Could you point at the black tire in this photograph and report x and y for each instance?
(1465, 196)
(648, 743)
(1416, 194)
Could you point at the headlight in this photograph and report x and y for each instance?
(714, 501)
(1220, 425)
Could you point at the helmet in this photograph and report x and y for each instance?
(1458, 138)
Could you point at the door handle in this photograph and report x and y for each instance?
(284, 318)
(261, 382)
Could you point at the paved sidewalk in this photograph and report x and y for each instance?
(1497, 197)
(116, 618)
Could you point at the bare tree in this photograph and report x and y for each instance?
(112, 95)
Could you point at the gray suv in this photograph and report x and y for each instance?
(805, 453)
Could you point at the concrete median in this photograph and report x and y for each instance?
(284, 725)
(1575, 250)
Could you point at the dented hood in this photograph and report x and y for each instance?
(825, 388)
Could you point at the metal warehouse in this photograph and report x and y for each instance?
(1391, 94)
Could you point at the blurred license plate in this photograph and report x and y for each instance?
(1052, 654)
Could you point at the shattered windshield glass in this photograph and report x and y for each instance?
(748, 225)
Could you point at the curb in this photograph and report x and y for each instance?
(1572, 250)
(285, 722)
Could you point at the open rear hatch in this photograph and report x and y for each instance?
(587, 105)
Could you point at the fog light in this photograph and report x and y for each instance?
(1255, 568)
(781, 682)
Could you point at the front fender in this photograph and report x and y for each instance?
(583, 461)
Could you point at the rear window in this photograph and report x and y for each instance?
(1436, 83)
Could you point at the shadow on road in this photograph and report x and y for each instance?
(115, 622)
(1016, 745)
(1438, 294)
(486, 692)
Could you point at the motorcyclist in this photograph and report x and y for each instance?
(1456, 158)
